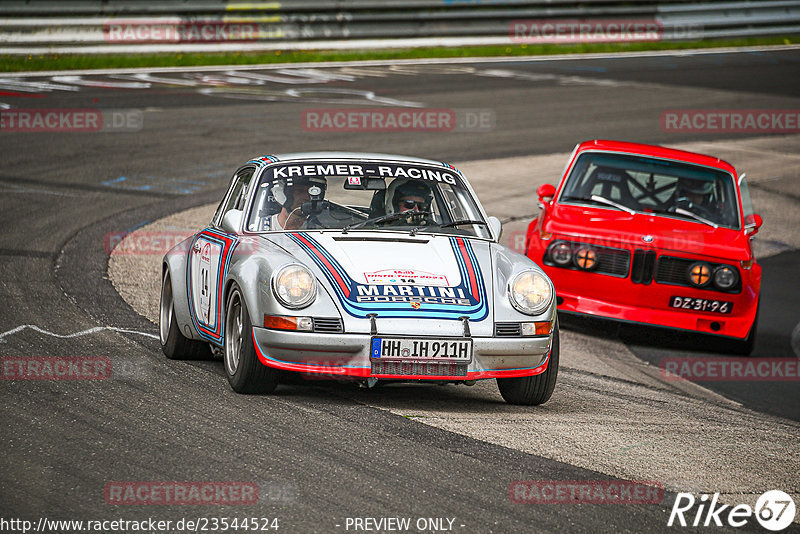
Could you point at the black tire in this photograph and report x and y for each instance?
(174, 344)
(533, 390)
(746, 346)
(246, 374)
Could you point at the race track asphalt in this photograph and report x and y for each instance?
(318, 454)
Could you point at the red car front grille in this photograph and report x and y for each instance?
(644, 262)
(675, 271)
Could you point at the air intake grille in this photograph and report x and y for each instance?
(673, 270)
(328, 325)
(418, 368)
(507, 329)
(613, 261)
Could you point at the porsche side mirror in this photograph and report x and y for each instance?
(232, 221)
(752, 223)
(546, 193)
(495, 226)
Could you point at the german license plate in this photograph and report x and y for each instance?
(701, 305)
(421, 350)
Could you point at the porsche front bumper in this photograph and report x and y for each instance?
(348, 355)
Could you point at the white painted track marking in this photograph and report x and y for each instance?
(421, 61)
(86, 332)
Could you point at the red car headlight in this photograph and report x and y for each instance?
(725, 277)
(561, 254)
(700, 274)
(585, 258)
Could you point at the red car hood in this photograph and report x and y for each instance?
(615, 228)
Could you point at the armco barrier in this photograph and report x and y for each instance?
(38, 25)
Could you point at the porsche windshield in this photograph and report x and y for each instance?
(650, 185)
(359, 195)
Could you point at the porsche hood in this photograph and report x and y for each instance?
(401, 277)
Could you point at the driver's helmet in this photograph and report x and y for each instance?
(401, 188)
(693, 187)
(283, 190)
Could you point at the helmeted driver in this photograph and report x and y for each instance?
(406, 195)
(695, 195)
(291, 194)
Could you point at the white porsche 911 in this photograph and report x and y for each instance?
(368, 266)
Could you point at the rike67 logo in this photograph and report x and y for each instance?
(774, 510)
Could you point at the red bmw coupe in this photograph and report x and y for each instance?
(651, 235)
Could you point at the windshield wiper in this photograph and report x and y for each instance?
(693, 215)
(603, 200)
(686, 213)
(385, 218)
(449, 225)
(465, 221)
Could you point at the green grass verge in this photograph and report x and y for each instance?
(15, 63)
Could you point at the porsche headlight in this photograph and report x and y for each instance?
(530, 292)
(294, 286)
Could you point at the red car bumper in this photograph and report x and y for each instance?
(619, 298)
(735, 326)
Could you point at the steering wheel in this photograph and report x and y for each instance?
(406, 217)
(686, 204)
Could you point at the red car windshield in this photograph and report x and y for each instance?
(650, 185)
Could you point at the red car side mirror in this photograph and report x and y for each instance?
(546, 193)
(752, 223)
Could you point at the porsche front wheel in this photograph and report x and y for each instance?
(174, 344)
(245, 373)
(533, 390)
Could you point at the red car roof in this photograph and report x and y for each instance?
(657, 151)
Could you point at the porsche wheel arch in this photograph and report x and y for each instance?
(246, 275)
(176, 264)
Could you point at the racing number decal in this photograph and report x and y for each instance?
(205, 270)
(208, 266)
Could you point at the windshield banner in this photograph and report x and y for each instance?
(357, 171)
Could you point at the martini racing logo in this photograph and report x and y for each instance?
(413, 294)
(367, 170)
(468, 298)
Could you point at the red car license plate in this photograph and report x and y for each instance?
(701, 305)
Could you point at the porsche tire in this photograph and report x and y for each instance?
(246, 374)
(174, 344)
(533, 390)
